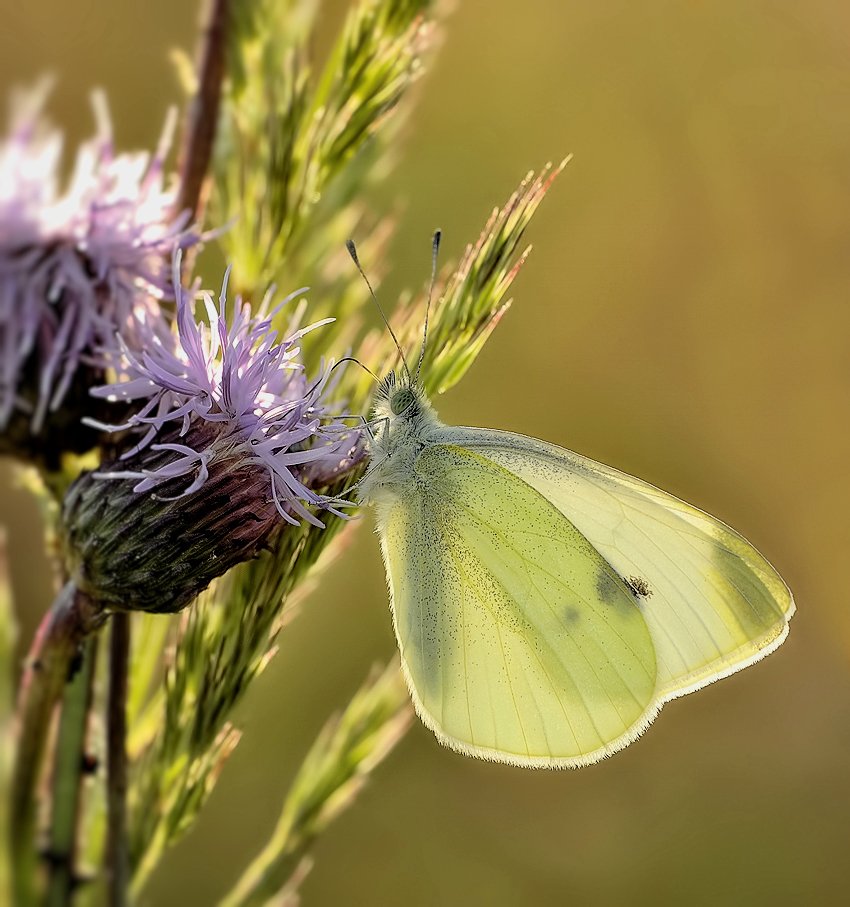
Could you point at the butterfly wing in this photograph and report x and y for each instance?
(712, 602)
(519, 641)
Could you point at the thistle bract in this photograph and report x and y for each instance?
(228, 439)
(78, 265)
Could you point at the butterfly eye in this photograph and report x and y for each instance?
(401, 401)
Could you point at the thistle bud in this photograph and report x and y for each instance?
(156, 550)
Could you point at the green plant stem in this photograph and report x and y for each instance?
(68, 770)
(8, 635)
(202, 118)
(50, 665)
(117, 852)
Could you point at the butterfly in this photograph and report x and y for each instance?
(547, 606)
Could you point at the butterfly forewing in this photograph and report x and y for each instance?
(713, 604)
(519, 640)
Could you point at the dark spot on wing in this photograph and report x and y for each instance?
(571, 615)
(607, 587)
(639, 586)
(754, 604)
(616, 590)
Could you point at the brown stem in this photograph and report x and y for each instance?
(202, 118)
(52, 662)
(117, 854)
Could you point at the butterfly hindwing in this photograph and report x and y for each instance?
(520, 642)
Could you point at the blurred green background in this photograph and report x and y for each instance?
(685, 317)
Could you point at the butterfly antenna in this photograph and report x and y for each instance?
(356, 362)
(435, 251)
(352, 251)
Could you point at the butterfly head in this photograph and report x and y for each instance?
(400, 399)
(397, 397)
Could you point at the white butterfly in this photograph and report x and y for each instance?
(547, 606)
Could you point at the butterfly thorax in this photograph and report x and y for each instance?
(404, 423)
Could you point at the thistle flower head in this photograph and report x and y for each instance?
(241, 393)
(77, 265)
(231, 438)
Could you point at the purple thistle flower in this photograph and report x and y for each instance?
(240, 392)
(230, 439)
(79, 265)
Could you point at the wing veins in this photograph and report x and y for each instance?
(464, 573)
(638, 703)
(495, 530)
(552, 650)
